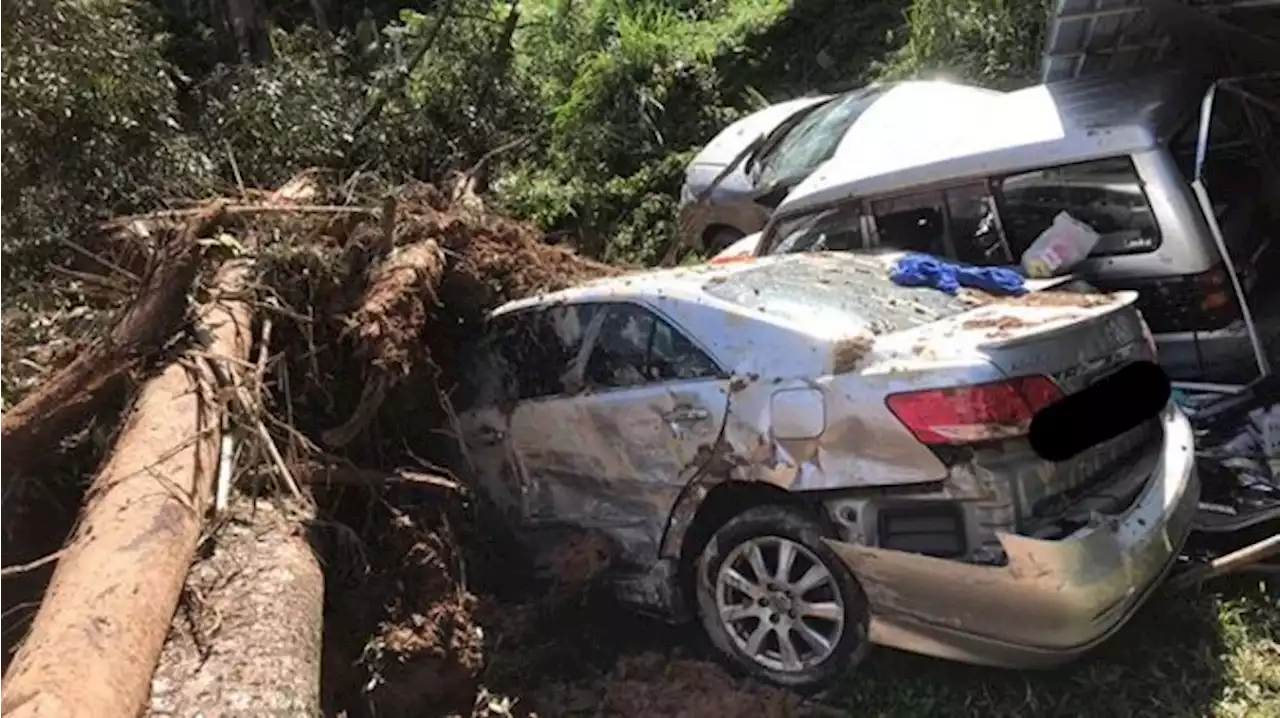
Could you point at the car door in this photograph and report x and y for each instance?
(542, 437)
(652, 404)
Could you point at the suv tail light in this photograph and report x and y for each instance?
(965, 414)
(1183, 303)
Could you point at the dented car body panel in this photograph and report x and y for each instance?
(1053, 599)
(618, 407)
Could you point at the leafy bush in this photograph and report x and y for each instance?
(90, 125)
(992, 42)
(588, 110)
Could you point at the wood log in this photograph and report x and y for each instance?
(94, 643)
(32, 428)
(247, 639)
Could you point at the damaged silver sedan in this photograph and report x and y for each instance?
(809, 459)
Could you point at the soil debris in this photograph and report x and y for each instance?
(996, 321)
(849, 352)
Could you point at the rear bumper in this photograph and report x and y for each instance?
(1053, 600)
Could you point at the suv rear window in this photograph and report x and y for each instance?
(1106, 194)
(834, 287)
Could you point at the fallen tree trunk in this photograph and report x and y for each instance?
(94, 643)
(388, 326)
(34, 425)
(247, 640)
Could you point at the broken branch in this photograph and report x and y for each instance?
(95, 642)
(33, 426)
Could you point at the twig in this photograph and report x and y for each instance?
(241, 210)
(456, 425)
(33, 565)
(371, 398)
(1249, 555)
(352, 475)
(235, 169)
(106, 262)
(226, 454)
(96, 279)
(288, 313)
(264, 350)
(503, 148)
(375, 109)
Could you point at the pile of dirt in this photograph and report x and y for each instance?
(363, 312)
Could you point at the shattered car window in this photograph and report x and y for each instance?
(840, 288)
(672, 357)
(635, 347)
(619, 356)
(541, 345)
(1106, 194)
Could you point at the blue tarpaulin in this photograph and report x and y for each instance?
(924, 270)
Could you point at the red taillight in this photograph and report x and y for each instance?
(1216, 292)
(964, 414)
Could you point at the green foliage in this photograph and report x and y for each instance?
(632, 88)
(90, 123)
(587, 111)
(276, 119)
(992, 42)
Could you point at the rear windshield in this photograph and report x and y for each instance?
(834, 287)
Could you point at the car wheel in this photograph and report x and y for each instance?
(721, 239)
(777, 602)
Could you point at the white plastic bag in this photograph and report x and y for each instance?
(1063, 245)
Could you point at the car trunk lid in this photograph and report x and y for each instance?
(1073, 339)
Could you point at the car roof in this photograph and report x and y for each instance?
(904, 141)
(679, 283)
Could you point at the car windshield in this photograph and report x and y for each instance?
(821, 288)
(814, 139)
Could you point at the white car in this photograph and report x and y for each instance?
(811, 458)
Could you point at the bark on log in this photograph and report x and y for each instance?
(34, 426)
(247, 641)
(93, 646)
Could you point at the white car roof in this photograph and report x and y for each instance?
(926, 132)
(680, 283)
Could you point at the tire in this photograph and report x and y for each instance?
(719, 240)
(840, 613)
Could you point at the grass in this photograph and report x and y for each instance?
(1214, 653)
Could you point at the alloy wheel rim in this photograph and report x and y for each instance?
(780, 605)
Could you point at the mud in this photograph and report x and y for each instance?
(1038, 299)
(998, 322)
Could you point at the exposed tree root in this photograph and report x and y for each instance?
(387, 327)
